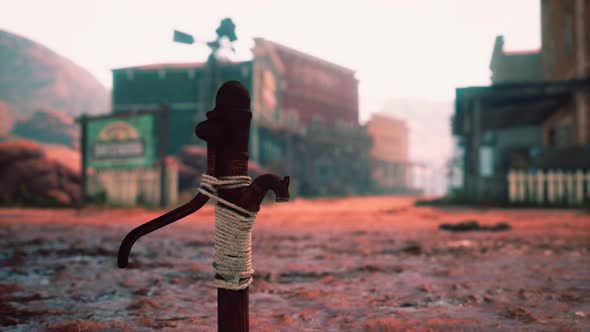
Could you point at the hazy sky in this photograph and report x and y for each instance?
(400, 49)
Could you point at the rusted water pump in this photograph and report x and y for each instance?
(227, 133)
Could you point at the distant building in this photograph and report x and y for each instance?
(305, 112)
(565, 37)
(536, 113)
(315, 92)
(181, 86)
(391, 165)
(521, 66)
(306, 115)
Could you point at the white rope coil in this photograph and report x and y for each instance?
(233, 237)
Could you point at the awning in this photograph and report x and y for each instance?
(514, 104)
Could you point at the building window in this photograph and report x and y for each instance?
(565, 135)
(271, 151)
(551, 138)
(344, 126)
(321, 168)
(340, 126)
(292, 119)
(568, 38)
(486, 161)
(161, 74)
(317, 121)
(130, 74)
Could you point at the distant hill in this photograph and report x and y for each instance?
(33, 77)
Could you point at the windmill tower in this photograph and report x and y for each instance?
(211, 79)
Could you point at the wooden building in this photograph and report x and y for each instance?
(391, 167)
(305, 112)
(536, 113)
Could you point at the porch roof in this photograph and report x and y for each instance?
(514, 104)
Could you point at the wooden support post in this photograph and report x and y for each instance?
(559, 187)
(162, 152)
(511, 186)
(579, 187)
(476, 143)
(551, 186)
(83, 157)
(570, 193)
(530, 186)
(540, 187)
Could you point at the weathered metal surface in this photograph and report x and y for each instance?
(227, 132)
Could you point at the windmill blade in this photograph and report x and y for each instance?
(184, 38)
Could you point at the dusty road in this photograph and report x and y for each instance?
(355, 264)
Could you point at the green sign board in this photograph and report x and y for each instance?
(121, 142)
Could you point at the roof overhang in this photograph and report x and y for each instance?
(514, 104)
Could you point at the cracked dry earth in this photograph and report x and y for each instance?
(352, 264)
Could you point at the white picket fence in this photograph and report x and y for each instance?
(552, 187)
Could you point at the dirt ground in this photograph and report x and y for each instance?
(354, 264)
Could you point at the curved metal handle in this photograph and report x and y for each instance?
(180, 212)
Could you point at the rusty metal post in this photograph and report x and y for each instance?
(229, 153)
(227, 133)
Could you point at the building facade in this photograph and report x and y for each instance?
(565, 55)
(391, 168)
(181, 86)
(305, 112)
(315, 92)
(520, 66)
(535, 114)
(306, 120)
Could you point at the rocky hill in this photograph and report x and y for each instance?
(33, 77)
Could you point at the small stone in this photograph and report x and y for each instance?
(426, 288)
(474, 298)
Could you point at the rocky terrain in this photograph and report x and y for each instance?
(30, 175)
(41, 92)
(354, 264)
(49, 126)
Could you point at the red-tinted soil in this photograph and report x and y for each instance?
(355, 264)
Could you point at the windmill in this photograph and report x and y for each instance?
(226, 29)
(232, 305)
(211, 79)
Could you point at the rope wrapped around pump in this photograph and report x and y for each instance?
(233, 237)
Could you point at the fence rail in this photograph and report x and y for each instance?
(130, 187)
(549, 187)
